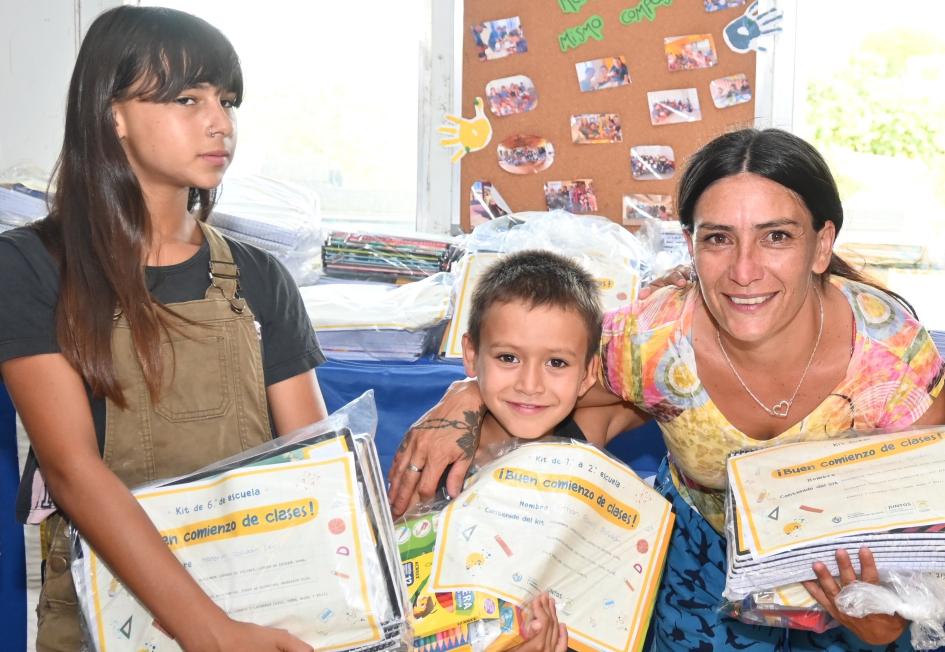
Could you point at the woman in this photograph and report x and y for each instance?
(135, 341)
(779, 340)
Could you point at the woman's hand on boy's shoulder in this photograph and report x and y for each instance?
(447, 434)
(680, 276)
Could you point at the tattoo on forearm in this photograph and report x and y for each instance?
(470, 427)
(469, 440)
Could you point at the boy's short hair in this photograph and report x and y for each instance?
(538, 278)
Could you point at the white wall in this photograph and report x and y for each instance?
(39, 40)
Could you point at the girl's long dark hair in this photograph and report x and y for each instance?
(783, 158)
(99, 229)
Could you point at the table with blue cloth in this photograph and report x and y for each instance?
(403, 391)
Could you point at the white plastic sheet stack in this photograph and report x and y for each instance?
(275, 216)
(19, 207)
(792, 505)
(364, 321)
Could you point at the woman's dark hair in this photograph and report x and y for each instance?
(99, 229)
(783, 158)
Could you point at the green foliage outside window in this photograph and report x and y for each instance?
(886, 100)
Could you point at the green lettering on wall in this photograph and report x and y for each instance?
(644, 9)
(592, 28)
(571, 6)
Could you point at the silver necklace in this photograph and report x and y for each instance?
(781, 408)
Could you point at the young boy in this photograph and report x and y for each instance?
(534, 329)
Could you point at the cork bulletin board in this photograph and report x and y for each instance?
(559, 36)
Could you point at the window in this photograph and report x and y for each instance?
(869, 93)
(331, 100)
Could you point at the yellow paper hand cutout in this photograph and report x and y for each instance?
(470, 134)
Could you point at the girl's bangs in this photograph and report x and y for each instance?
(182, 53)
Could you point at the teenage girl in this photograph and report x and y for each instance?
(136, 342)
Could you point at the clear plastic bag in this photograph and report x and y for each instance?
(917, 597)
(782, 607)
(295, 534)
(366, 321)
(616, 258)
(387, 258)
(756, 584)
(552, 515)
(22, 196)
(278, 217)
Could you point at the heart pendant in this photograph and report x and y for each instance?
(780, 409)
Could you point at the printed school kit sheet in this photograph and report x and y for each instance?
(284, 540)
(564, 518)
(795, 504)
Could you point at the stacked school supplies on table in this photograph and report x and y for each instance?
(882, 255)
(387, 258)
(378, 321)
(275, 216)
(552, 515)
(19, 206)
(792, 505)
(617, 260)
(938, 337)
(294, 534)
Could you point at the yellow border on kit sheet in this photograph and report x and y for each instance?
(347, 464)
(454, 335)
(639, 625)
(761, 552)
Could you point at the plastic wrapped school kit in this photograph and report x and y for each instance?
(294, 534)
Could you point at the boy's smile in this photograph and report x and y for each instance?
(531, 365)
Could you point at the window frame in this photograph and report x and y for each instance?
(440, 86)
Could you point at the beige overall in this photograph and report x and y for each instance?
(212, 405)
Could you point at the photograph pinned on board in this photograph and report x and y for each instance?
(485, 203)
(575, 196)
(651, 162)
(674, 106)
(495, 39)
(522, 154)
(719, 5)
(598, 74)
(729, 91)
(596, 129)
(690, 52)
(511, 95)
(640, 206)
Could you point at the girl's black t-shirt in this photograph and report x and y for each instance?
(29, 290)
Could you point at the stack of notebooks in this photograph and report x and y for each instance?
(19, 206)
(388, 258)
(379, 321)
(938, 337)
(275, 216)
(792, 505)
(294, 534)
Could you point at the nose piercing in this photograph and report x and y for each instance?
(211, 132)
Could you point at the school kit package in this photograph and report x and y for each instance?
(791, 505)
(554, 515)
(294, 534)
